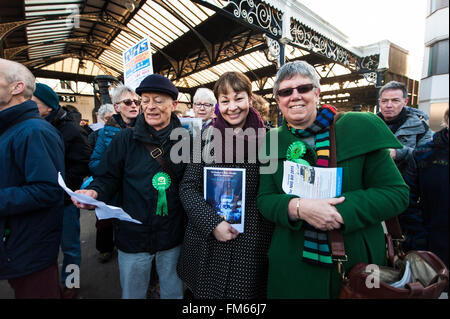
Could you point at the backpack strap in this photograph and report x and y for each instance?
(156, 153)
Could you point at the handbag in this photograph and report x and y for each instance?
(415, 274)
(426, 274)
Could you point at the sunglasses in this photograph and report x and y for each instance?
(305, 88)
(129, 102)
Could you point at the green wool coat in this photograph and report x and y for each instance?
(373, 189)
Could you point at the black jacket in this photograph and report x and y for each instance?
(77, 150)
(127, 169)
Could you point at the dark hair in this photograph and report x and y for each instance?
(394, 85)
(236, 81)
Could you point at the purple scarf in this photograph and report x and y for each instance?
(250, 141)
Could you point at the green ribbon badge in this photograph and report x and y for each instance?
(161, 182)
(295, 151)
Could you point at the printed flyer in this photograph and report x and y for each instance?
(224, 190)
(311, 182)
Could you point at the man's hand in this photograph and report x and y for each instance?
(89, 192)
(224, 232)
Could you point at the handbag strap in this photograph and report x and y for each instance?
(336, 237)
(156, 153)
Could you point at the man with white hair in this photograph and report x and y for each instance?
(31, 201)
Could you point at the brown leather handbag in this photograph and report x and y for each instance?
(429, 275)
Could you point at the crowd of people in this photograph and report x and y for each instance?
(392, 163)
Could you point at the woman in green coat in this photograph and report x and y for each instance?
(300, 263)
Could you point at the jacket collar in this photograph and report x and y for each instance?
(145, 133)
(15, 113)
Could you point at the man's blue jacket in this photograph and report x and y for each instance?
(31, 201)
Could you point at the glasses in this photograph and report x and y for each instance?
(205, 105)
(305, 88)
(128, 102)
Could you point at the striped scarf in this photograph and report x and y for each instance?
(316, 249)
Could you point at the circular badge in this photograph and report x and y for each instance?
(295, 153)
(161, 181)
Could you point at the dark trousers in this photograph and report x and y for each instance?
(104, 238)
(42, 284)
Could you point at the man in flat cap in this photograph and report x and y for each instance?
(137, 165)
(77, 154)
(31, 201)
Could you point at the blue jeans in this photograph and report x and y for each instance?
(135, 274)
(70, 242)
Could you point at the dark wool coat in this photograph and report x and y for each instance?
(77, 150)
(373, 189)
(214, 269)
(31, 201)
(425, 223)
(127, 169)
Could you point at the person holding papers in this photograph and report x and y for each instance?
(137, 167)
(300, 263)
(218, 261)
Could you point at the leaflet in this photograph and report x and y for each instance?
(311, 182)
(224, 190)
(102, 210)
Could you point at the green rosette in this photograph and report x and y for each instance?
(296, 151)
(161, 181)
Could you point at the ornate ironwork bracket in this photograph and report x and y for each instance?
(254, 12)
(306, 38)
(273, 51)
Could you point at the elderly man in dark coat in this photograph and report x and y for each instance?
(137, 167)
(31, 201)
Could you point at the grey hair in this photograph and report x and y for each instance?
(118, 91)
(105, 109)
(291, 69)
(394, 85)
(206, 95)
(16, 72)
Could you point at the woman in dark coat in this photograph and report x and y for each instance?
(217, 261)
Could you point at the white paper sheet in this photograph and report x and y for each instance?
(102, 210)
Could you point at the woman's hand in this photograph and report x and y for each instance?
(319, 213)
(224, 232)
(89, 192)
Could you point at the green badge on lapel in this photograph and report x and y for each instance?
(295, 153)
(161, 182)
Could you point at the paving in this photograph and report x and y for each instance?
(97, 281)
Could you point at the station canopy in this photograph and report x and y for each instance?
(192, 42)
